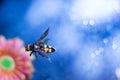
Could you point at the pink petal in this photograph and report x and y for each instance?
(1, 78)
(2, 42)
(9, 44)
(6, 78)
(16, 44)
(25, 56)
(14, 78)
(20, 75)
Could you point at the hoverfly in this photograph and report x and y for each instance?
(40, 46)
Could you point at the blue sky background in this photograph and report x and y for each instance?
(85, 33)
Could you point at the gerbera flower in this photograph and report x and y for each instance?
(15, 63)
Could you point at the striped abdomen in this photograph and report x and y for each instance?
(48, 49)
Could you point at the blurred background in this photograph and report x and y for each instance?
(85, 33)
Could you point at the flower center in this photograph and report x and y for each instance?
(7, 63)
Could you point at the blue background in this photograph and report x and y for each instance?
(86, 48)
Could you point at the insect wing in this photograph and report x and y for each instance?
(45, 41)
(39, 41)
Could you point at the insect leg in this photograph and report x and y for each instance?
(31, 53)
(45, 56)
(36, 56)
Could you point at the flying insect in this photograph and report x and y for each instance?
(40, 46)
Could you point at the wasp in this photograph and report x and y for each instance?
(40, 46)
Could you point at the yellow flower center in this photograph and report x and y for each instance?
(7, 63)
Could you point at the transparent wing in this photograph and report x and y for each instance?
(42, 36)
(42, 54)
(46, 41)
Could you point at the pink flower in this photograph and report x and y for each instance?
(15, 63)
